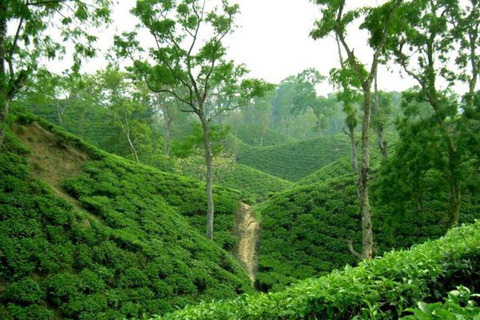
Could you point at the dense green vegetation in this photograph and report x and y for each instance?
(255, 185)
(383, 288)
(305, 230)
(295, 179)
(296, 160)
(335, 169)
(117, 246)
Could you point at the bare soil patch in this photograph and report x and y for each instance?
(51, 159)
(247, 230)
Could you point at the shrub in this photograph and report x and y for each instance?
(295, 160)
(115, 247)
(382, 288)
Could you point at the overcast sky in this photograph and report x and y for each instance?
(273, 40)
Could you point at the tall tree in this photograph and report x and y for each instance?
(336, 19)
(306, 98)
(381, 118)
(25, 40)
(191, 65)
(436, 44)
(127, 101)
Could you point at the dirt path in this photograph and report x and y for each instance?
(247, 229)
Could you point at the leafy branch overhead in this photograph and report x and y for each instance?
(27, 35)
(187, 60)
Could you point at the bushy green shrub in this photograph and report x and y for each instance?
(336, 169)
(295, 160)
(305, 230)
(118, 246)
(382, 288)
(459, 304)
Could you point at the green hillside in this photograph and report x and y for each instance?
(254, 184)
(296, 160)
(377, 289)
(337, 169)
(305, 230)
(88, 235)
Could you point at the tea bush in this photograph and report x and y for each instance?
(120, 248)
(382, 288)
(256, 186)
(335, 169)
(295, 161)
(459, 304)
(305, 230)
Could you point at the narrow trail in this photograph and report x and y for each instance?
(247, 230)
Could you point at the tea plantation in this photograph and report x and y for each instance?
(384, 288)
(117, 245)
(305, 230)
(296, 160)
(337, 169)
(255, 185)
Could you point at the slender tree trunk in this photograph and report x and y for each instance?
(262, 136)
(353, 145)
(4, 100)
(132, 146)
(4, 105)
(235, 144)
(364, 176)
(455, 189)
(382, 143)
(209, 182)
(59, 113)
(168, 137)
(126, 130)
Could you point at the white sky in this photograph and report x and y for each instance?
(273, 40)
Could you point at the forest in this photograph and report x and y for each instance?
(164, 181)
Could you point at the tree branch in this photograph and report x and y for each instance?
(352, 250)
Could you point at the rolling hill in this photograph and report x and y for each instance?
(88, 235)
(295, 161)
(383, 288)
(305, 230)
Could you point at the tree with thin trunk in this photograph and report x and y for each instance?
(25, 39)
(350, 96)
(190, 63)
(382, 114)
(437, 42)
(167, 107)
(335, 19)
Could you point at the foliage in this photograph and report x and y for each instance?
(255, 185)
(382, 288)
(305, 231)
(99, 108)
(191, 66)
(435, 44)
(336, 169)
(295, 160)
(26, 39)
(117, 247)
(458, 305)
